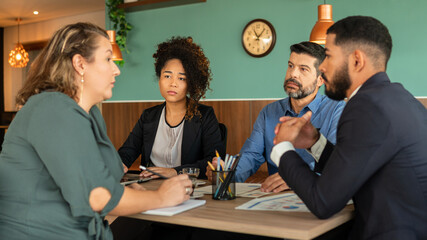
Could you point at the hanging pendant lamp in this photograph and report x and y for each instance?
(18, 57)
(117, 54)
(324, 21)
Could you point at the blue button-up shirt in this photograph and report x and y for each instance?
(258, 146)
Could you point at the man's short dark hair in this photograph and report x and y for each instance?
(367, 31)
(312, 49)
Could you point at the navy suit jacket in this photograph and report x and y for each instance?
(200, 139)
(380, 160)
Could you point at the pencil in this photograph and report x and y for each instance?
(211, 166)
(217, 154)
(213, 169)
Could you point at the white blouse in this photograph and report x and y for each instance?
(166, 150)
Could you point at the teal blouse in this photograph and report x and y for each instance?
(54, 154)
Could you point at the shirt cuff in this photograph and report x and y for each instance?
(317, 148)
(279, 150)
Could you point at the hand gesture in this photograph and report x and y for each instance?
(299, 131)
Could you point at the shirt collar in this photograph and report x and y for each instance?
(379, 76)
(313, 106)
(353, 93)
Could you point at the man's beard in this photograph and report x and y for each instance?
(301, 92)
(339, 84)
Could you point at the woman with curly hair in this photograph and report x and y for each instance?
(179, 132)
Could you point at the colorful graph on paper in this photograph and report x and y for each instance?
(282, 202)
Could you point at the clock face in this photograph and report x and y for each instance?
(258, 38)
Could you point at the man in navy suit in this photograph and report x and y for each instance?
(380, 158)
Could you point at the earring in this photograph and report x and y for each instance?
(81, 90)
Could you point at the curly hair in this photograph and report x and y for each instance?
(196, 66)
(53, 67)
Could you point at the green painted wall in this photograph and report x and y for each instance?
(217, 26)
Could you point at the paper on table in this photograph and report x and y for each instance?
(288, 202)
(170, 211)
(282, 202)
(251, 190)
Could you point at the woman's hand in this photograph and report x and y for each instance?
(175, 190)
(171, 192)
(167, 172)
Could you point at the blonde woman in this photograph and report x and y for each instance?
(59, 172)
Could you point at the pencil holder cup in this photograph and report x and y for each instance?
(223, 185)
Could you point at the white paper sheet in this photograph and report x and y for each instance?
(170, 211)
(289, 202)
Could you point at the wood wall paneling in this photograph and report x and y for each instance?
(238, 116)
(234, 114)
(423, 101)
(120, 118)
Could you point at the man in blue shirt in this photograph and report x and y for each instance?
(302, 83)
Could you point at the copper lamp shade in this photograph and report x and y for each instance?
(117, 54)
(324, 21)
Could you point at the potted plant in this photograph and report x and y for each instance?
(118, 18)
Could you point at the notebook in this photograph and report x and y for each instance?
(170, 211)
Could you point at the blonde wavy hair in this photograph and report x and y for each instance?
(53, 68)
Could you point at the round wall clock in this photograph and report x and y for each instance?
(258, 38)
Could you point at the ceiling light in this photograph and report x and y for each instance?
(117, 54)
(18, 57)
(36, 12)
(324, 21)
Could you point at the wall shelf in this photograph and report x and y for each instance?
(153, 4)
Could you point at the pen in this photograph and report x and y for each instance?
(222, 166)
(228, 159)
(133, 181)
(151, 171)
(218, 159)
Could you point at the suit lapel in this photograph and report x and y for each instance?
(150, 130)
(191, 129)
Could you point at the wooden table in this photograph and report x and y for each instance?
(221, 215)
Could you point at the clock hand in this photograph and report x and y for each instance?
(257, 36)
(261, 32)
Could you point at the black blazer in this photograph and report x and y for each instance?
(200, 139)
(380, 160)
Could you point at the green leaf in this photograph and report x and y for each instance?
(118, 17)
